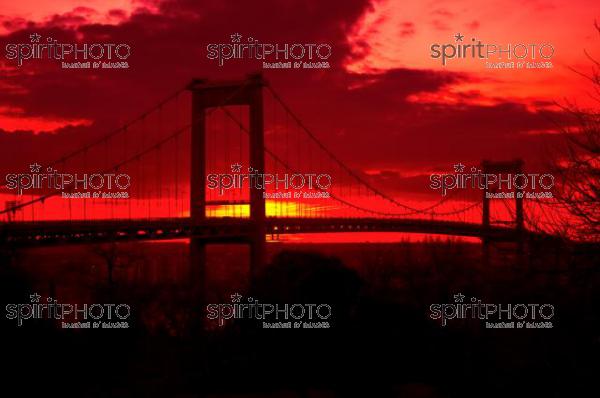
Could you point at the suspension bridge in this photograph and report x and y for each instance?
(168, 152)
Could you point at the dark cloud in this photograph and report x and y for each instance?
(371, 111)
(407, 29)
(439, 24)
(473, 25)
(442, 12)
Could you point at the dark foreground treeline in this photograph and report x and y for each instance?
(382, 342)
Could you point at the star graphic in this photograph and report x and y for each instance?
(236, 297)
(35, 38)
(458, 298)
(236, 38)
(459, 168)
(35, 168)
(459, 37)
(35, 298)
(236, 168)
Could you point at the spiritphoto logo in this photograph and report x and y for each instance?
(283, 184)
(496, 56)
(72, 55)
(72, 316)
(273, 55)
(273, 316)
(72, 186)
(501, 185)
(497, 316)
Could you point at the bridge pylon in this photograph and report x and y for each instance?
(510, 168)
(209, 94)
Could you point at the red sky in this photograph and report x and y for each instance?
(385, 106)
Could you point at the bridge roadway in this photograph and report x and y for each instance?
(230, 229)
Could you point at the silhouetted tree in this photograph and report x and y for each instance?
(578, 167)
(110, 254)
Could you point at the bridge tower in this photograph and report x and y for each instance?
(511, 167)
(207, 94)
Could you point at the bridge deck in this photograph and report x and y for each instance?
(232, 229)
